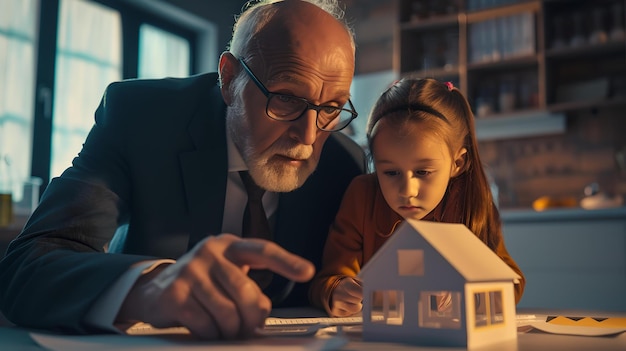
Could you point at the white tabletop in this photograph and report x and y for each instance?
(13, 338)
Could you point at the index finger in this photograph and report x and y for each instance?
(264, 254)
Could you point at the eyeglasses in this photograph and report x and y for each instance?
(282, 107)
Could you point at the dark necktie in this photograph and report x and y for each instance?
(255, 224)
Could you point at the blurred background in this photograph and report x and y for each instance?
(546, 80)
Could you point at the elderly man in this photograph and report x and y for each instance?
(147, 223)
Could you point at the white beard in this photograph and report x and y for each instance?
(270, 169)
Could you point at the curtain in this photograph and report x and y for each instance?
(88, 58)
(18, 23)
(162, 54)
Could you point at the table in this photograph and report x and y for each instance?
(12, 338)
(9, 232)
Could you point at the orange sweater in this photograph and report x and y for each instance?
(363, 224)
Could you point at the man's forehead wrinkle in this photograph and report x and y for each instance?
(295, 75)
(295, 79)
(287, 66)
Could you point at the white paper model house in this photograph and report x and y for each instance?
(437, 284)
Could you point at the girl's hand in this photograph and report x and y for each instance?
(347, 298)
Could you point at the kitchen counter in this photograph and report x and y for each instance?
(572, 258)
(561, 214)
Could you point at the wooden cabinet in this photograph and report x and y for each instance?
(585, 53)
(518, 60)
(427, 40)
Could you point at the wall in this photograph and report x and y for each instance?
(221, 13)
(561, 165)
(373, 22)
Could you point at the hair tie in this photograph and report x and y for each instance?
(449, 85)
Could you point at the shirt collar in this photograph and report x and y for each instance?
(235, 161)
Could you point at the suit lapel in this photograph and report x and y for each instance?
(204, 170)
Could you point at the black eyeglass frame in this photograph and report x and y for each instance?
(309, 106)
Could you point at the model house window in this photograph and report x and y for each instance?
(411, 262)
(488, 308)
(440, 309)
(388, 307)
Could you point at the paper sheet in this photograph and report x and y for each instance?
(575, 330)
(178, 342)
(581, 326)
(274, 326)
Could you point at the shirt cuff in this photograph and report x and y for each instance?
(104, 311)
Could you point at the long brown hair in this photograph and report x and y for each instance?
(442, 109)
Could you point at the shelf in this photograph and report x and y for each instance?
(375, 28)
(548, 83)
(502, 11)
(437, 73)
(518, 125)
(559, 215)
(505, 63)
(587, 51)
(587, 104)
(431, 23)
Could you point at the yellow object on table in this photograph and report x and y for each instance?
(609, 322)
(547, 202)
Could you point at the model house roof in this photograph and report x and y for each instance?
(466, 253)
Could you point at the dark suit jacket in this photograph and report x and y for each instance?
(154, 166)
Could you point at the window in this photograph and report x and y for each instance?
(440, 309)
(388, 307)
(18, 23)
(162, 54)
(488, 308)
(88, 58)
(411, 262)
(61, 55)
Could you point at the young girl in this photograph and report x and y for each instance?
(422, 140)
